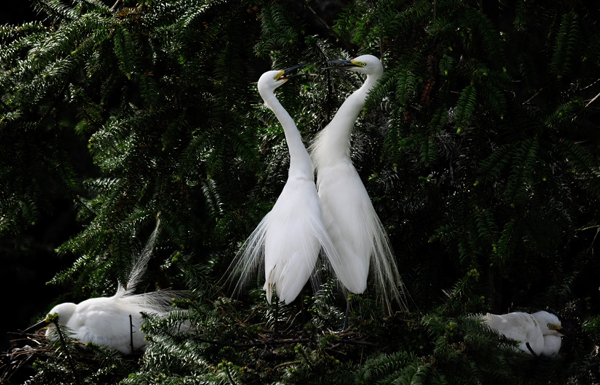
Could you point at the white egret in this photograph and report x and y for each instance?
(292, 234)
(348, 214)
(114, 321)
(541, 330)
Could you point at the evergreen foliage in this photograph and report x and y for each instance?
(479, 149)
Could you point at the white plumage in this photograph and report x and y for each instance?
(540, 330)
(105, 320)
(552, 345)
(292, 234)
(348, 214)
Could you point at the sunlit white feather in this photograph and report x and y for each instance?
(529, 328)
(348, 214)
(105, 320)
(292, 234)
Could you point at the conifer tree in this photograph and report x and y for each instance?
(478, 147)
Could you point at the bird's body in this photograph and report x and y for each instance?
(518, 326)
(346, 217)
(106, 320)
(539, 330)
(348, 214)
(291, 247)
(552, 345)
(292, 234)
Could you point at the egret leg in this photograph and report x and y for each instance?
(347, 314)
(362, 317)
(348, 304)
(304, 315)
(276, 327)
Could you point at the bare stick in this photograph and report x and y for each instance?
(530, 349)
(131, 332)
(69, 357)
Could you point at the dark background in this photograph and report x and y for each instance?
(24, 272)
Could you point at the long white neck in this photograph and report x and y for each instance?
(300, 163)
(333, 142)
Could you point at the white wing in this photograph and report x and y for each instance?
(357, 233)
(521, 327)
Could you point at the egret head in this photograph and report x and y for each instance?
(365, 64)
(64, 311)
(549, 323)
(271, 80)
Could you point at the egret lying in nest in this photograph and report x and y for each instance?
(114, 321)
(538, 333)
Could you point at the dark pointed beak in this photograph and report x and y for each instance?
(292, 69)
(339, 65)
(37, 326)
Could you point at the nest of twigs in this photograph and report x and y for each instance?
(17, 364)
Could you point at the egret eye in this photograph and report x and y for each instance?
(279, 75)
(359, 63)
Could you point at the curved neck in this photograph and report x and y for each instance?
(300, 162)
(335, 138)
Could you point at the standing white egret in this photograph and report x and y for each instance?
(348, 214)
(292, 234)
(106, 320)
(535, 330)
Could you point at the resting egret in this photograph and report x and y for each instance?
(291, 235)
(106, 320)
(537, 330)
(348, 214)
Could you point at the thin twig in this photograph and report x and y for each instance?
(262, 343)
(131, 332)
(85, 205)
(332, 32)
(69, 357)
(530, 349)
(594, 240)
(286, 363)
(592, 101)
(363, 343)
(588, 228)
(112, 9)
(284, 342)
(90, 118)
(39, 123)
(536, 94)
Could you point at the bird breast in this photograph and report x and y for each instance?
(291, 242)
(552, 345)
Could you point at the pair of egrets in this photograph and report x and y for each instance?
(538, 333)
(335, 216)
(339, 219)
